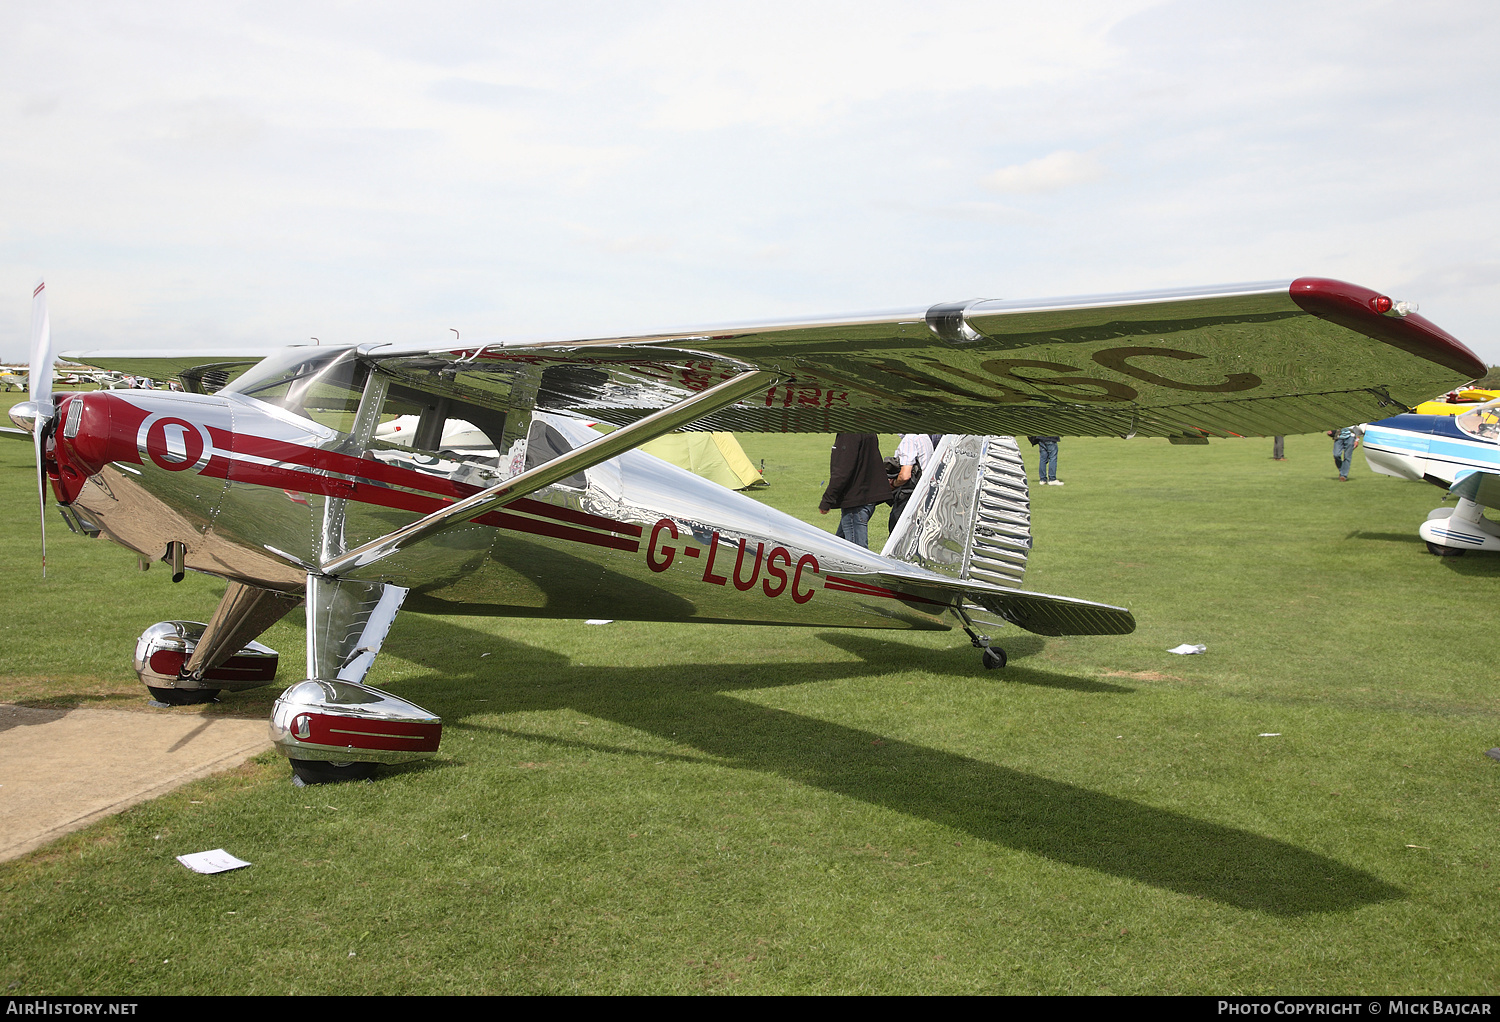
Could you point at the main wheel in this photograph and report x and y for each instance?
(1443, 551)
(318, 771)
(183, 696)
(994, 657)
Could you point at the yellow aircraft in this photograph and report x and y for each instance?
(1456, 402)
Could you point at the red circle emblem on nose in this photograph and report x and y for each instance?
(174, 444)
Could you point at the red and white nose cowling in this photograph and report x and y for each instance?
(155, 431)
(81, 444)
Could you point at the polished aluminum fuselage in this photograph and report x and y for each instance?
(263, 496)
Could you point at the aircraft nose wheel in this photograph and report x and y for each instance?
(315, 771)
(993, 657)
(1443, 551)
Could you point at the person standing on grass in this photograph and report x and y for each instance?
(1344, 442)
(856, 483)
(1047, 465)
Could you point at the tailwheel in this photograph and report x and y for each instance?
(317, 771)
(994, 657)
(1443, 551)
(183, 696)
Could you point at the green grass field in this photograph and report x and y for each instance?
(641, 808)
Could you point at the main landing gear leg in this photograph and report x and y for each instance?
(991, 656)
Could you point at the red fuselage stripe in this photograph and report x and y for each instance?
(865, 589)
(501, 520)
(393, 475)
(384, 496)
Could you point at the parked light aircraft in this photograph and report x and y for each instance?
(1460, 453)
(1457, 402)
(66, 373)
(270, 473)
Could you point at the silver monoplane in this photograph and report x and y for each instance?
(268, 472)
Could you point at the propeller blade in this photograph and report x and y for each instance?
(40, 389)
(41, 493)
(42, 358)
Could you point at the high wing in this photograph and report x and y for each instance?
(199, 371)
(1243, 360)
(1237, 360)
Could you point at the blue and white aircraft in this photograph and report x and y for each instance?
(1459, 453)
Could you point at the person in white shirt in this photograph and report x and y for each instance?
(914, 455)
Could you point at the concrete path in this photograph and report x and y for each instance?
(63, 769)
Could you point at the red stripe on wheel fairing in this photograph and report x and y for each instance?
(369, 733)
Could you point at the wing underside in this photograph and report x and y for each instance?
(1248, 360)
(201, 372)
(1242, 360)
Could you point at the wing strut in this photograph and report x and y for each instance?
(608, 446)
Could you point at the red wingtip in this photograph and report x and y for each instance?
(1359, 308)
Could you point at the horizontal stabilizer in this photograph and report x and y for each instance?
(1055, 615)
(1035, 612)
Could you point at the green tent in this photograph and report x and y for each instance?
(715, 456)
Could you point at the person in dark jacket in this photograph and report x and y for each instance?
(856, 483)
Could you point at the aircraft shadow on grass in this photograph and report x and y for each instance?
(1480, 565)
(1385, 537)
(1476, 566)
(689, 704)
(960, 661)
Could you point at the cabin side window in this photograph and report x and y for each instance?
(439, 436)
(323, 385)
(1483, 423)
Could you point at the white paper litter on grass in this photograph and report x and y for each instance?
(1188, 647)
(600, 621)
(1269, 734)
(216, 861)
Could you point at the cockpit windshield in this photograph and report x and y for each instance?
(1483, 422)
(322, 384)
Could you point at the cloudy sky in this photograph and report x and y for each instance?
(247, 175)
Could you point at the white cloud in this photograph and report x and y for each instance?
(190, 174)
(1049, 173)
(797, 64)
